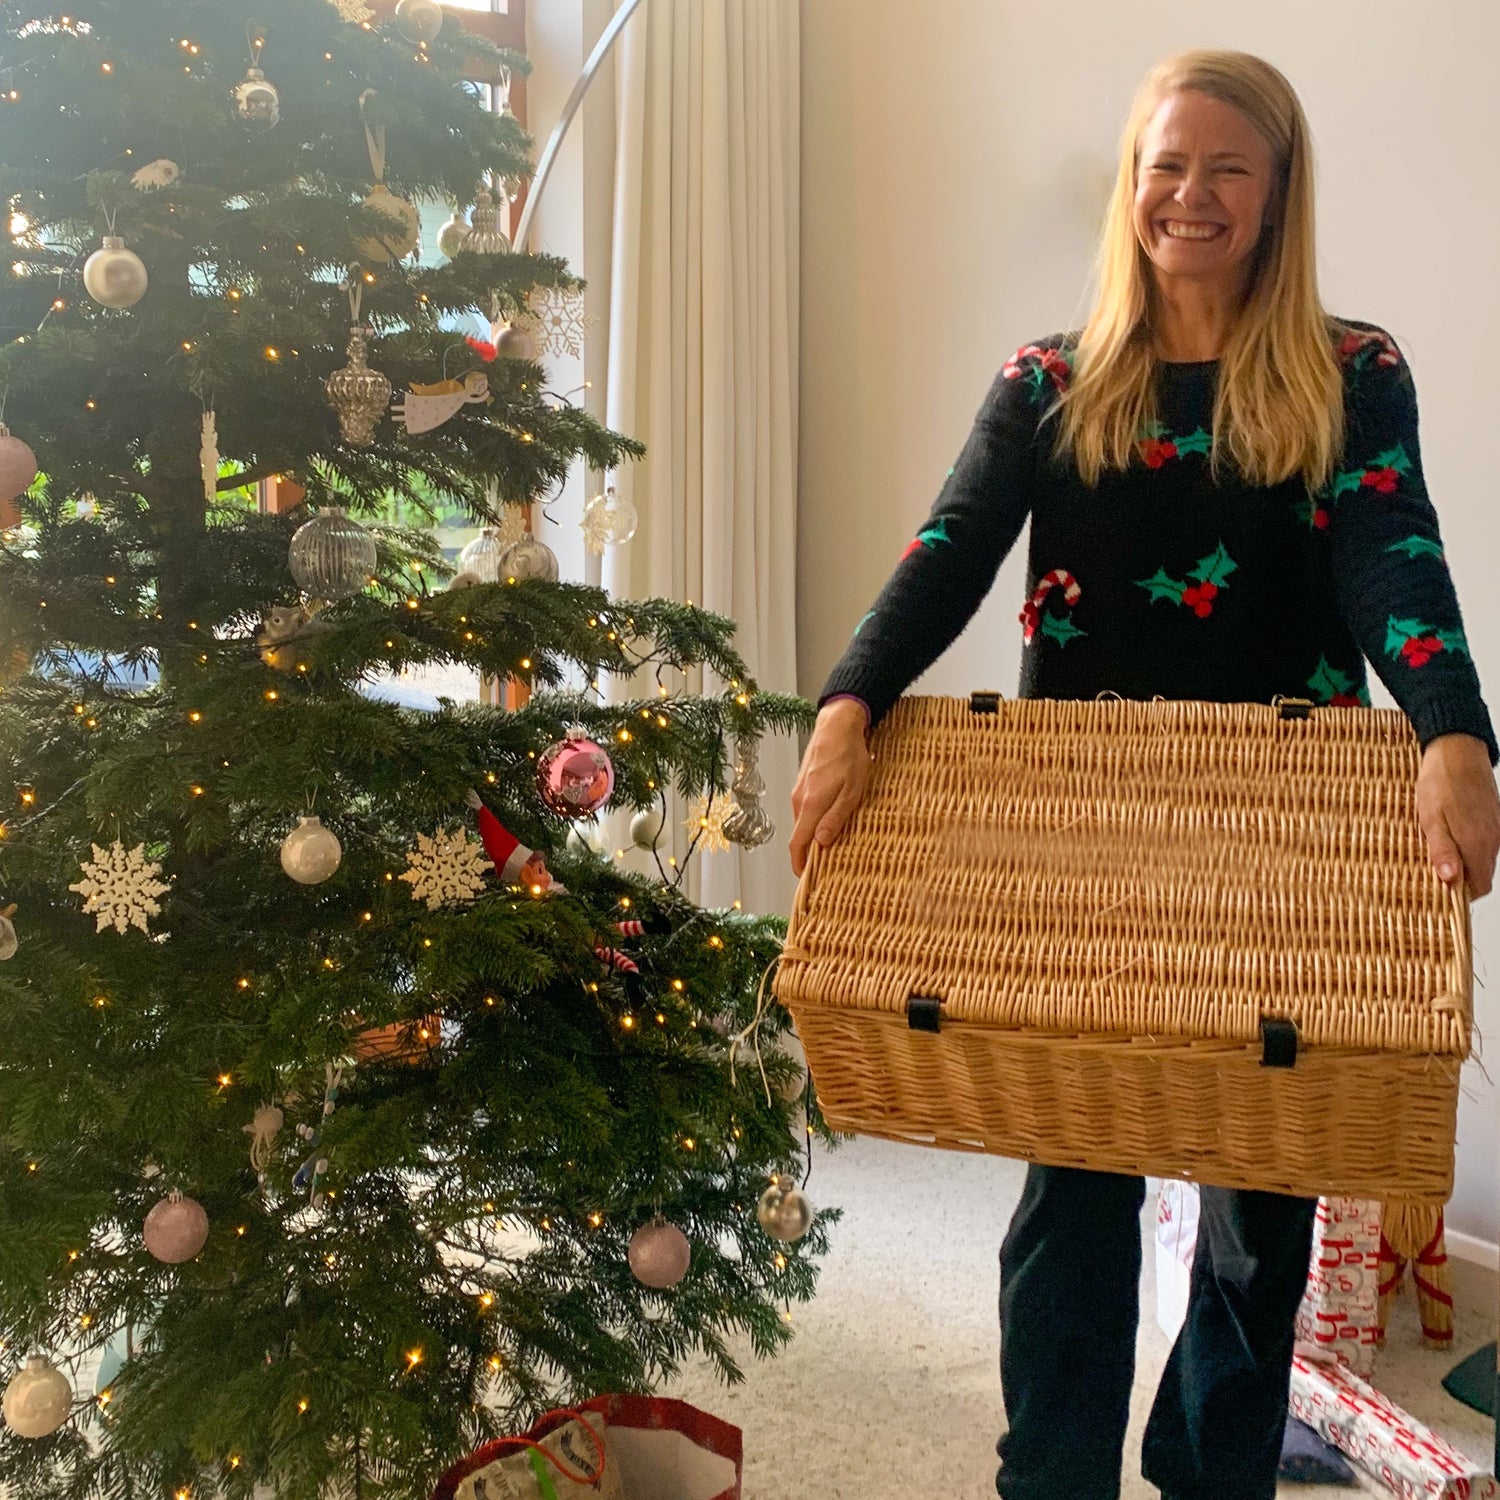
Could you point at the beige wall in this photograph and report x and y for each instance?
(956, 155)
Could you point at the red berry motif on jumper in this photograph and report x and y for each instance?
(1383, 475)
(1361, 347)
(1416, 643)
(1039, 366)
(1315, 514)
(1199, 595)
(1158, 445)
(928, 538)
(1337, 689)
(1059, 628)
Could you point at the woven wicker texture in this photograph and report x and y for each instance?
(1108, 898)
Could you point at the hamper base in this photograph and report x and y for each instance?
(1341, 1122)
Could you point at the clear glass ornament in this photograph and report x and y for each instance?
(482, 556)
(784, 1212)
(529, 558)
(485, 236)
(749, 825)
(310, 853)
(38, 1399)
(114, 276)
(614, 518)
(257, 102)
(332, 556)
(357, 393)
(419, 20)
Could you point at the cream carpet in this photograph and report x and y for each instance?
(891, 1389)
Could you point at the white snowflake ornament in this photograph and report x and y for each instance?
(120, 887)
(445, 868)
(709, 820)
(557, 320)
(353, 10)
(155, 175)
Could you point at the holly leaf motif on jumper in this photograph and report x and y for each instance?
(1327, 680)
(1399, 632)
(1151, 430)
(1417, 546)
(929, 536)
(1393, 458)
(1060, 628)
(1162, 586)
(865, 619)
(1214, 568)
(1453, 640)
(1350, 479)
(1195, 442)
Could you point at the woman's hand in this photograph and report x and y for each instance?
(831, 783)
(1459, 810)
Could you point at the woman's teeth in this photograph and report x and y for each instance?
(1194, 231)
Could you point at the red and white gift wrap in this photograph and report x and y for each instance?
(658, 1449)
(1340, 1313)
(1409, 1458)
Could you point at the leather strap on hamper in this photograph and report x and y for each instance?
(1278, 1040)
(924, 1013)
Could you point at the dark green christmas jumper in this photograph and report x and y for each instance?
(1161, 581)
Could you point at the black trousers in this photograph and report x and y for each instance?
(1069, 1300)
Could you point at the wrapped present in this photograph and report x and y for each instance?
(1176, 1244)
(1388, 1443)
(1340, 1313)
(651, 1448)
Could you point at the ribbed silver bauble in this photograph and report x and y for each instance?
(357, 393)
(485, 236)
(332, 556)
(749, 825)
(529, 558)
(257, 102)
(114, 276)
(419, 20)
(482, 556)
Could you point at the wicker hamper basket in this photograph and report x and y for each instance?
(1176, 938)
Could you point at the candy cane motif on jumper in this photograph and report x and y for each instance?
(1059, 628)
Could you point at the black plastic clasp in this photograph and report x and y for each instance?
(924, 1013)
(1294, 708)
(1278, 1042)
(985, 702)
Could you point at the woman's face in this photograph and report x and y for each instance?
(1203, 190)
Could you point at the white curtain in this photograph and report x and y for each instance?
(703, 344)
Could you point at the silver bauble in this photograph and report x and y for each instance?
(529, 558)
(17, 465)
(256, 101)
(331, 556)
(401, 231)
(749, 825)
(482, 556)
(114, 276)
(513, 342)
(357, 393)
(647, 827)
(37, 1400)
(450, 237)
(784, 1212)
(659, 1255)
(310, 853)
(419, 20)
(485, 236)
(9, 942)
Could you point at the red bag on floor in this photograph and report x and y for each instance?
(654, 1449)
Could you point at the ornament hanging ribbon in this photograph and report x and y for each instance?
(764, 1000)
(374, 137)
(314, 1170)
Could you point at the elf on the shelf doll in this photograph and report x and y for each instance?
(514, 863)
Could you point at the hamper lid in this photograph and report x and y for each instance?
(1167, 868)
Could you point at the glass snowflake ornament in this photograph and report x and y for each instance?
(120, 887)
(445, 868)
(706, 821)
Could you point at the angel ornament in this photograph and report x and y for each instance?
(425, 407)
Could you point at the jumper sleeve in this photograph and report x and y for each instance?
(948, 568)
(1394, 588)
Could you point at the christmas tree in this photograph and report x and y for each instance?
(347, 1106)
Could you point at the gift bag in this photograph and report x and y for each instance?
(654, 1448)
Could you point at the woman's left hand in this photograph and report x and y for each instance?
(1459, 810)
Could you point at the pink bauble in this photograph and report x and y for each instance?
(176, 1229)
(17, 465)
(659, 1255)
(575, 778)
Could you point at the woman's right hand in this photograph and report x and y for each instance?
(831, 783)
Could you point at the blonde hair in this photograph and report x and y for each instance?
(1278, 410)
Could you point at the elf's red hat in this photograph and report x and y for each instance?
(505, 850)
